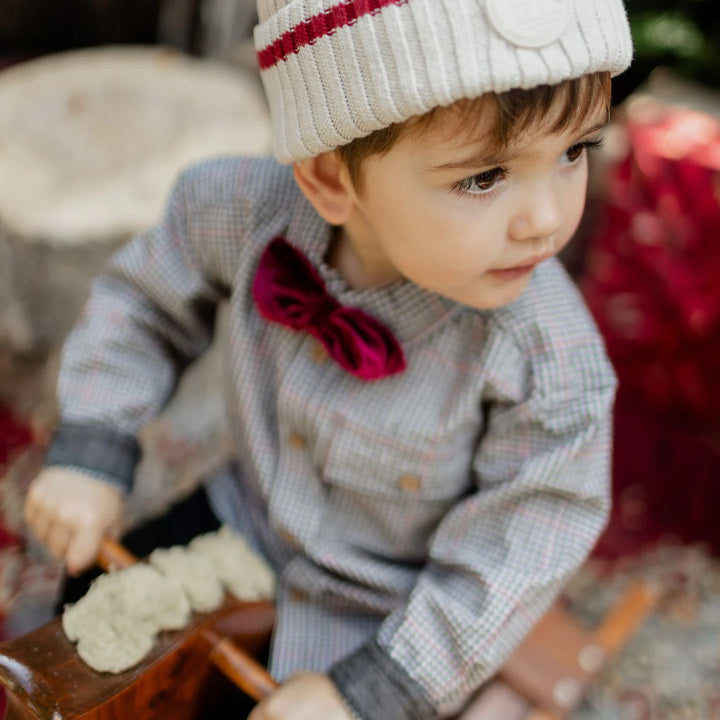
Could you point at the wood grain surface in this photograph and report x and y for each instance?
(46, 678)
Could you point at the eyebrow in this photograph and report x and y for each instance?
(481, 159)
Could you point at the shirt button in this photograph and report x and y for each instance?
(319, 353)
(296, 441)
(297, 595)
(410, 483)
(287, 537)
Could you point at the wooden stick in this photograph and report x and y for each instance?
(239, 667)
(537, 714)
(616, 629)
(625, 618)
(113, 556)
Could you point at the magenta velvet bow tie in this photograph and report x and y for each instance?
(288, 290)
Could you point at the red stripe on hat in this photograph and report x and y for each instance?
(318, 26)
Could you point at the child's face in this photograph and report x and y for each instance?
(440, 211)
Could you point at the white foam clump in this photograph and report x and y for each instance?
(115, 624)
(245, 575)
(197, 579)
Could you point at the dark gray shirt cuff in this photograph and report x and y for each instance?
(103, 453)
(375, 686)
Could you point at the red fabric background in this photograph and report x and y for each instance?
(652, 280)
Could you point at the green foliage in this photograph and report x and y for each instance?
(682, 35)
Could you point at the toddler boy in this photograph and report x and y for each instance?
(419, 401)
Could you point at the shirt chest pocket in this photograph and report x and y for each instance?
(388, 495)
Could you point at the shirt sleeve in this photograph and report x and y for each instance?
(501, 556)
(149, 315)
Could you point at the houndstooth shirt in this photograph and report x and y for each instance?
(419, 524)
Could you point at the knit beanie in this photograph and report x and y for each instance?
(336, 70)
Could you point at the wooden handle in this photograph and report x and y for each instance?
(625, 618)
(616, 629)
(538, 714)
(239, 667)
(113, 556)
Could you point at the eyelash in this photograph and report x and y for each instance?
(594, 144)
(491, 177)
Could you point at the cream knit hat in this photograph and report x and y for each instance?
(336, 70)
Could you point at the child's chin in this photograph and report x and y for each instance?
(500, 297)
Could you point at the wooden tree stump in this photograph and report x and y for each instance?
(90, 142)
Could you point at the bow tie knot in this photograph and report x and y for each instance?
(288, 290)
(320, 311)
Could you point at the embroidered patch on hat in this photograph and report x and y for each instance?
(529, 23)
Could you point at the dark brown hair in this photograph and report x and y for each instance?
(568, 104)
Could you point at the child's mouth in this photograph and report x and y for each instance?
(513, 273)
(517, 271)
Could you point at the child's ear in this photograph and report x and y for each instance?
(325, 182)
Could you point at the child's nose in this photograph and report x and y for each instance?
(539, 215)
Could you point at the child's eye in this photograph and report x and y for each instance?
(481, 183)
(575, 152)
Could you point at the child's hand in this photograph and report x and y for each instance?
(305, 696)
(71, 512)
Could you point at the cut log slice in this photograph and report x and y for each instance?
(91, 140)
(90, 143)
